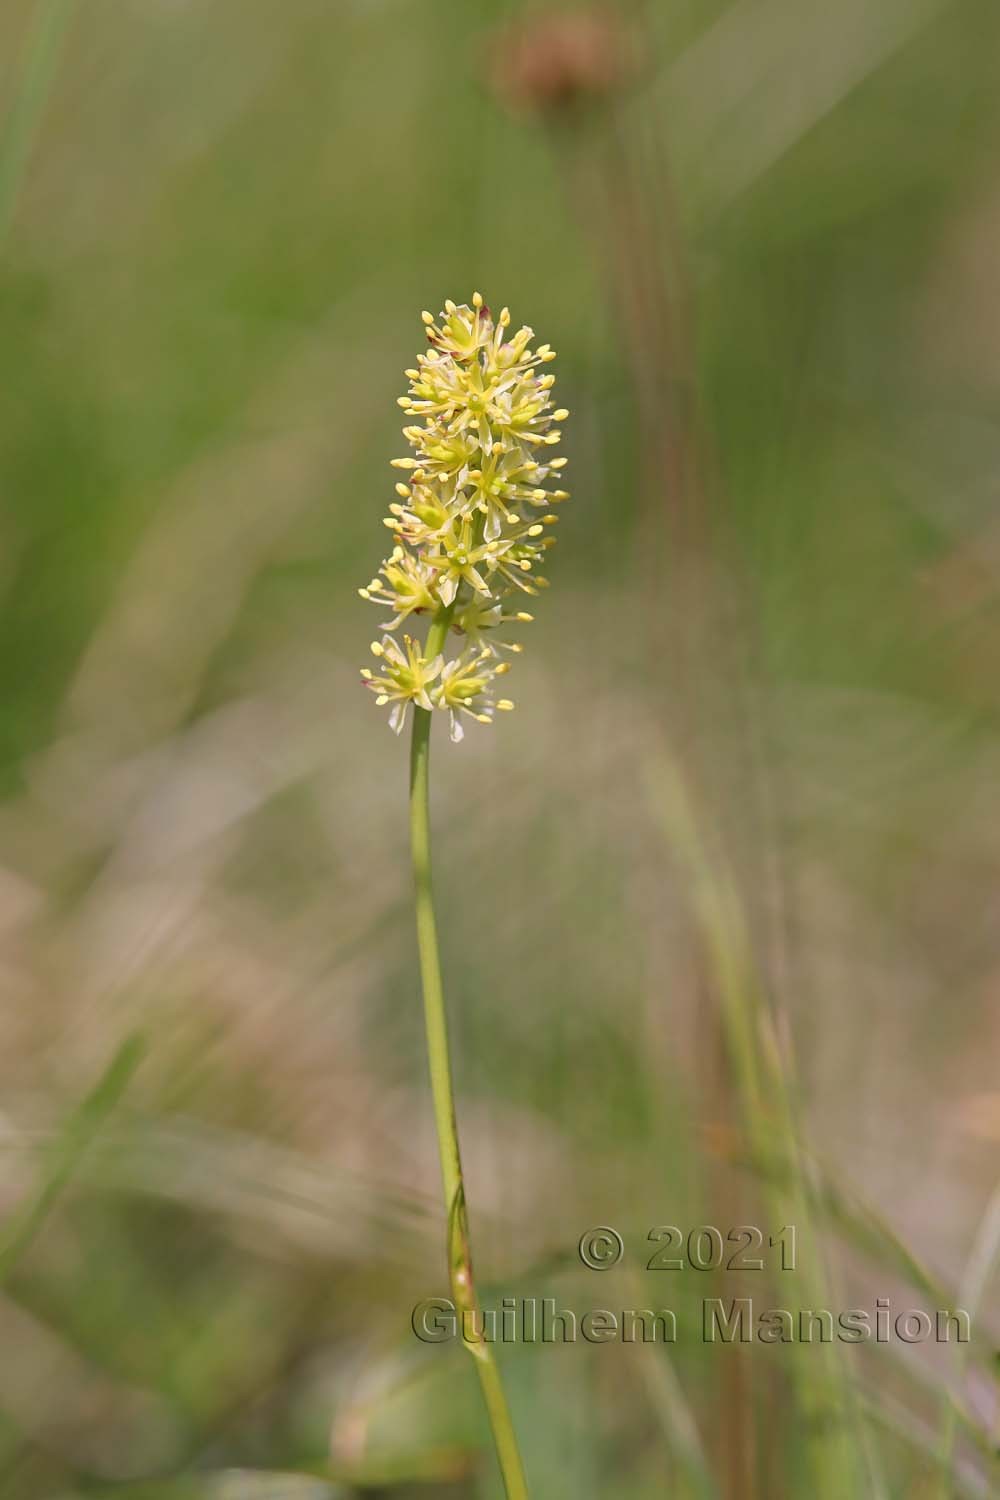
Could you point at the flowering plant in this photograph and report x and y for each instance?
(472, 523)
(469, 530)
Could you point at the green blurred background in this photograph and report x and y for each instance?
(751, 778)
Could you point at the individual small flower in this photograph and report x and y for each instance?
(466, 526)
(480, 615)
(406, 585)
(465, 687)
(462, 331)
(507, 476)
(406, 678)
(424, 515)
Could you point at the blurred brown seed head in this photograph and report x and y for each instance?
(561, 63)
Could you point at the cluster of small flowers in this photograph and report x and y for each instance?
(473, 521)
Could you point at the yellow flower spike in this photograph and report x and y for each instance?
(478, 407)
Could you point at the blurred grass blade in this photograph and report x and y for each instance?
(41, 55)
(982, 1266)
(63, 1158)
(764, 1075)
(675, 1415)
(868, 1232)
(243, 1484)
(719, 86)
(246, 1484)
(861, 1226)
(893, 1418)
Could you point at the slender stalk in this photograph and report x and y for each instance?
(439, 1056)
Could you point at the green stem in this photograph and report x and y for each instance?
(438, 1052)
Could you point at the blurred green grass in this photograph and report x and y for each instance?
(230, 217)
